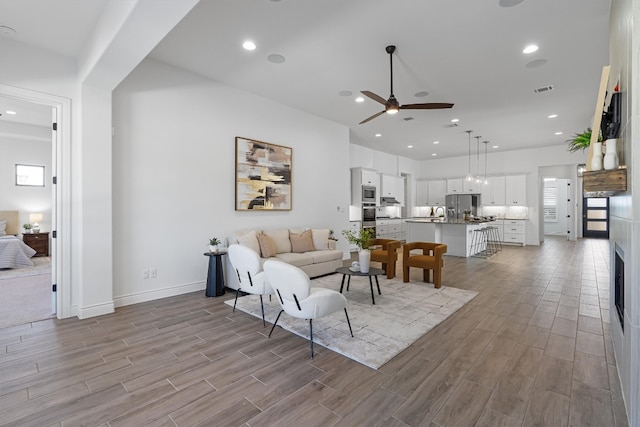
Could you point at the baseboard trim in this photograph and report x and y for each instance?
(155, 294)
(96, 310)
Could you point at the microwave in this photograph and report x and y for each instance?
(368, 194)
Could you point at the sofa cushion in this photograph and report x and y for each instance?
(299, 260)
(320, 239)
(325, 256)
(267, 247)
(280, 239)
(250, 240)
(302, 242)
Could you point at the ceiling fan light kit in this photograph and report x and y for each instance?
(391, 105)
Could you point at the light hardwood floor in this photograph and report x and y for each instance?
(532, 348)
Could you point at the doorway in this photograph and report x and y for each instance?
(595, 217)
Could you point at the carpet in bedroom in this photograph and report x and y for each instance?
(25, 294)
(402, 314)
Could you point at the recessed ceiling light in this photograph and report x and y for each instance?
(249, 45)
(558, 133)
(421, 94)
(276, 58)
(378, 135)
(434, 154)
(359, 99)
(345, 93)
(455, 120)
(530, 49)
(552, 116)
(409, 146)
(495, 146)
(436, 142)
(10, 112)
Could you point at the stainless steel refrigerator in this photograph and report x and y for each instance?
(457, 204)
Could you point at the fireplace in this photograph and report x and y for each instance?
(618, 282)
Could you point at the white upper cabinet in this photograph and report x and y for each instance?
(454, 186)
(393, 186)
(516, 190)
(493, 192)
(437, 193)
(431, 193)
(360, 177)
(471, 186)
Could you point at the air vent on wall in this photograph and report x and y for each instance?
(406, 119)
(451, 125)
(544, 89)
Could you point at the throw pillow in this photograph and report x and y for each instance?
(3, 227)
(320, 239)
(267, 246)
(280, 239)
(301, 242)
(250, 240)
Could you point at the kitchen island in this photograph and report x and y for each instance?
(457, 235)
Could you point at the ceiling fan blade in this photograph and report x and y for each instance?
(426, 106)
(375, 97)
(372, 117)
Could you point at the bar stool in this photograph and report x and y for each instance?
(493, 239)
(479, 243)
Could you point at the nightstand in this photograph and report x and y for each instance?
(38, 241)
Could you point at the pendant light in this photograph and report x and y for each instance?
(478, 178)
(486, 143)
(469, 176)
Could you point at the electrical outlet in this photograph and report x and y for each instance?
(153, 273)
(145, 274)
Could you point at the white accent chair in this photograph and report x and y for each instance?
(298, 299)
(252, 279)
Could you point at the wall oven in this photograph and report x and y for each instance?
(368, 194)
(369, 215)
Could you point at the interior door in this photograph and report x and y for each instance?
(595, 217)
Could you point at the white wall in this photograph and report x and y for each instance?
(174, 174)
(26, 200)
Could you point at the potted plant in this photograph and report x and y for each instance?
(363, 241)
(213, 244)
(581, 141)
(27, 228)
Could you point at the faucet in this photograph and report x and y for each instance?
(440, 207)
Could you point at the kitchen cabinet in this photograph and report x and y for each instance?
(493, 193)
(360, 177)
(437, 193)
(514, 231)
(516, 190)
(431, 193)
(471, 187)
(454, 186)
(389, 229)
(393, 186)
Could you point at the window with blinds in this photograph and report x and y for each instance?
(550, 201)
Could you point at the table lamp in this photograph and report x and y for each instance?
(34, 219)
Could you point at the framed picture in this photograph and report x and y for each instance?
(263, 176)
(29, 175)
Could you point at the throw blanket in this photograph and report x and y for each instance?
(14, 253)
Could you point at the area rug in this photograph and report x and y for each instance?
(25, 299)
(402, 314)
(42, 265)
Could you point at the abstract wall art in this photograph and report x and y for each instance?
(263, 176)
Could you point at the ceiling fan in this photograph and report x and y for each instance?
(391, 105)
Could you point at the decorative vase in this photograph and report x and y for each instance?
(213, 249)
(596, 160)
(364, 257)
(611, 155)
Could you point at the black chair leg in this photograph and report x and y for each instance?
(236, 301)
(311, 336)
(275, 323)
(262, 307)
(348, 322)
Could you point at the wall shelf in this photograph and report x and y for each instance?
(605, 182)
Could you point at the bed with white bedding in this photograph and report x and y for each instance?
(14, 253)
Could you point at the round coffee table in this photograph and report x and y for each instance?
(373, 272)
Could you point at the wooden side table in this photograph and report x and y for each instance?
(38, 241)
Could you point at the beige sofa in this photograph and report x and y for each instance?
(311, 250)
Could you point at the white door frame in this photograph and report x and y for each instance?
(61, 207)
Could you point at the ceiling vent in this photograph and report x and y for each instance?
(451, 125)
(406, 119)
(543, 89)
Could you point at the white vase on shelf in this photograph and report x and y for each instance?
(364, 257)
(611, 156)
(596, 159)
